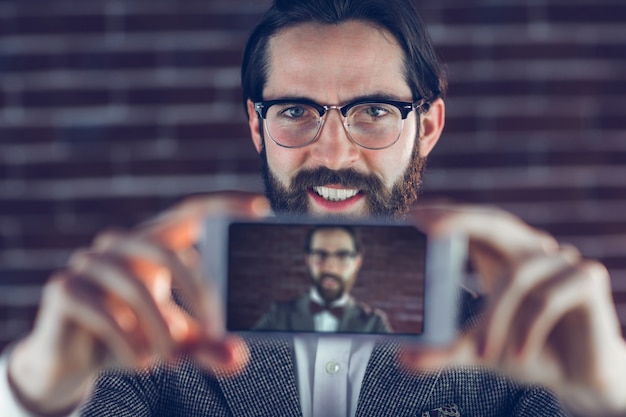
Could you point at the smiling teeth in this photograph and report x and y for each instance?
(334, 194)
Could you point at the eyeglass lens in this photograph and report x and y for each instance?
(371, 125)
(321, 256)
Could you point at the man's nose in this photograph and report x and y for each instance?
(333, 148)
(331, 264)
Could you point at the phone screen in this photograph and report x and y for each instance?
(305, 278)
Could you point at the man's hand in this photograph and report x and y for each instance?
(549, 319)
(112, 306)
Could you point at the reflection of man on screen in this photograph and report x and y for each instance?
(333, 258)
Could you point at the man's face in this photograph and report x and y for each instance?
(333, 263)
(335, 64)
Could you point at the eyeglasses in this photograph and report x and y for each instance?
(372, 124)
(344, 257)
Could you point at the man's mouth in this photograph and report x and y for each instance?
(330, 282)
(335, 194)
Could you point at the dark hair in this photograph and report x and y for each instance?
(424, 73)
(356, 241)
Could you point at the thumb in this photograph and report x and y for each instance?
(228, 356)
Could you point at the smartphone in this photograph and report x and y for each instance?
(359, 279)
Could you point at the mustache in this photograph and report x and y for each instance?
(382, 201)
(349, 178)
(331, 276)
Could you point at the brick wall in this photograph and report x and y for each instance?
(112, 110)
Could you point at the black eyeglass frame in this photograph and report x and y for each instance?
(405, 107)
(340, 255)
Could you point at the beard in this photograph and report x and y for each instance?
(328, 295)
(382, 201)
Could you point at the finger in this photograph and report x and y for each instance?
(156, 265)
(487, 227)
(486, 344)
(542, 310)
(225, 357)
(563, 310)
(180, 227)
(549, 340)
(84, 304)
(530, 353)
(109, 272)
(504, 307)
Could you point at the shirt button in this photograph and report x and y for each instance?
(332, 367)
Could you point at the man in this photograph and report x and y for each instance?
(359, 82)
(333, 259)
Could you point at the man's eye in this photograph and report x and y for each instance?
(294, 112)
(320, 254)
(344, 255)
(376, 111)
(371, 112)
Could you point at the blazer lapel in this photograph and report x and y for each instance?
(303, 319)
(349, 321)
(268, 385)
(391, 390)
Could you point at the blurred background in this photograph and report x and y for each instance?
(112, 110)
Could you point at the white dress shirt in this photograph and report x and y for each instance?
(330, 369)
(330, 373)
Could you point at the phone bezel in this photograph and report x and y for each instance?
(446, 259)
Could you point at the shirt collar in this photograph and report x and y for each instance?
(316, 298)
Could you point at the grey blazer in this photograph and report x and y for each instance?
(296, 315)
(267, 387)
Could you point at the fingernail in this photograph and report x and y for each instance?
(261, 207)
